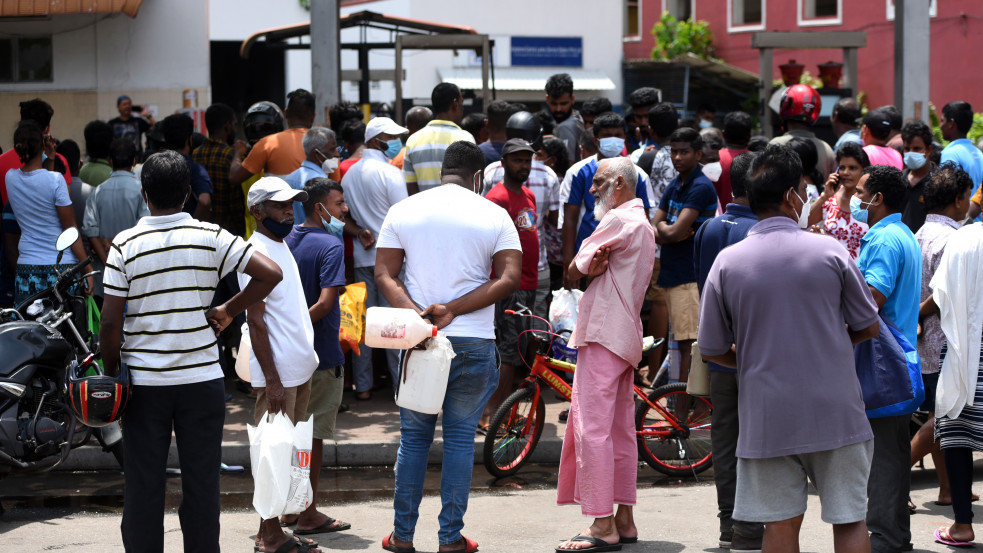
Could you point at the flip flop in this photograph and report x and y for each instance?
(389, 546)
(942, 536)
(597, 545)
(303, 543)
(323, 528)
(627, 540)
(470, 546)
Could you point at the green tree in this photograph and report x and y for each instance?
(674, 38)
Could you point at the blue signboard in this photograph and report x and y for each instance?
(535, 50)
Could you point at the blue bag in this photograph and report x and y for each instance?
(890, 373)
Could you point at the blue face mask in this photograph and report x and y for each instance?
(393, 147)
(335, 226)
(914, 160)
(704, 124)
(857, 209)
(611, 146)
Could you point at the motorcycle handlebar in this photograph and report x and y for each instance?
(65, 277)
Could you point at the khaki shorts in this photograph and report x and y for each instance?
(326, 388)
(655, 293)
(295, 400)
(683, 304)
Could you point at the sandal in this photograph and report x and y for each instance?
(942, 536)
(470, 546)
(388, 545)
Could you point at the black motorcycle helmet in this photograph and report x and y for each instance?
(97, 400)
(526, 126)
(262, 119)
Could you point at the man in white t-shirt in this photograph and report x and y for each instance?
(282, 359)
(372, 186)
(450, 238)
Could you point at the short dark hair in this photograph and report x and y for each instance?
(558, 85)
(663, 119)
(462, 158)
(122, 153)
(353, 132)
(738, 173)
(758, 143)
(28, 140)
(737, 127)
(595, 106)
(473, 123)
(343, 112)
(555, 148)
(643, 97)
(443, 96)
(72, 154)
(166, 179)
(300, 105)
(317, 189)
(689, 135)
(587, 141)
(890, 183)
(911, 129)
(854, 150)
(772, 173)
(499, 112)
(37, 110)
(217, 115)
(98, 136)
(545, 121)
(961, 113)
(847, 111)
(609, 120)
(878, 123)
(947, 184)
(806, 150)
(177, 129)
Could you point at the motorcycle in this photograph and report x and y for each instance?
(41, 342)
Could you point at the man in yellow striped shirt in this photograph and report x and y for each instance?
(425, 149)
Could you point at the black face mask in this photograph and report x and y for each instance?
(278, 229)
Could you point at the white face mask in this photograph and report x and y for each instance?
(330, 165)
(713, 171)
(804, 214)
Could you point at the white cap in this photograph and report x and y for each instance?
(381, 125)
(273, 188)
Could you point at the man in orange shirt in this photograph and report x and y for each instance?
(281, 153)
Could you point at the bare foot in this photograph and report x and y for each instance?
(273, 545)
(959, 532)
(571, 545)
(625, 523)
(316, 520)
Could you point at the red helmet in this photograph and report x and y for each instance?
(97, 400)
(800, 102)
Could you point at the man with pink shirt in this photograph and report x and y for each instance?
(599, 461)
(875, 133)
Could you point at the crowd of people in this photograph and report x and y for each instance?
(777, 256)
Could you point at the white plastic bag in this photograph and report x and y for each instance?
(423, 376)
(280, 455)
(564, 308)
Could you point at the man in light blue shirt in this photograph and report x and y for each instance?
(956, 120)
(890, 260)
(846, 113)
(321, 148)
(116, 204)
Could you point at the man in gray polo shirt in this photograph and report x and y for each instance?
(792, 304)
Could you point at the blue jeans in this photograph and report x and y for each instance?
(362, 364)
(473, 377)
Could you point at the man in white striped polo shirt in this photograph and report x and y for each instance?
(164, 272)
(425, 149)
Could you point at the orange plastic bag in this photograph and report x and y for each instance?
(352, 331)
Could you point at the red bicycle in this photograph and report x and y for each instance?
(669, 445)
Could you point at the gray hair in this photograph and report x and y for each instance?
(316, 139)
(623, 167)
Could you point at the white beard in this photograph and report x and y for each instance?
(603, 204)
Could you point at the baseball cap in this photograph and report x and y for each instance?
(514, 145)
(381, 125)
(877, 118)
(273, 188)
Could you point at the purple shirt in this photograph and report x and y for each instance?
(785, 298)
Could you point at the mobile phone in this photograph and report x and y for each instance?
(137, 109)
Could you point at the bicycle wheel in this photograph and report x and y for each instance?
(513, 433)
(669, 450)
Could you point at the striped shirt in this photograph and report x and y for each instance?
(425, 152)
(167, 268)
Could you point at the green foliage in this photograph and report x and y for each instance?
(674, 38)
(975, 132)
(306, 4)
(806, 78)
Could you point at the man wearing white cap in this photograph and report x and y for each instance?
(372, 186)
(282, 360)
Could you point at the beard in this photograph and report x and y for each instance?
(604, 204)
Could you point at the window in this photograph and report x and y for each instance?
(745, 15)
(25, 60)
(820, 12)
(680, 9)
(932, 9)
(633, 20)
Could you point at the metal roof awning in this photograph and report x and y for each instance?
(35, 8)
(525, 78)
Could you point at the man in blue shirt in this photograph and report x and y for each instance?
(689, 201)
(715, 235)
(891, 262)
(956, 120)
(321, 148)
(320, 260)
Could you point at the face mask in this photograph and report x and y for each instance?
(276, 228)
(713, 171)
(393, 147)
(330, 165)
(335, 227)
(914, 160)
(611, 146)
(804, 214)
(704, 124)
(857, 209)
